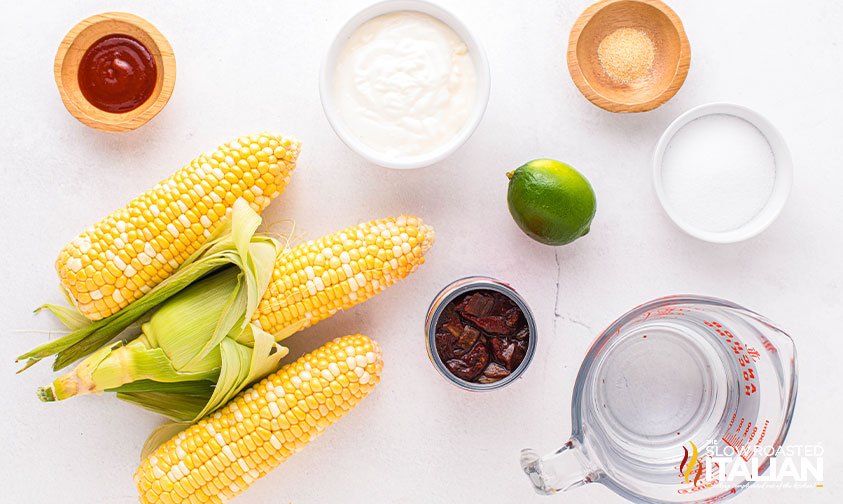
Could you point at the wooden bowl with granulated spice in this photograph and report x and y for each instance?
(628, 55)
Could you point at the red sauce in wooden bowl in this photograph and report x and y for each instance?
(117, 73)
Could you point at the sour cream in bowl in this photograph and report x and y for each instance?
(404, 83)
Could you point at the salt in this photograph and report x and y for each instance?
(718, 172)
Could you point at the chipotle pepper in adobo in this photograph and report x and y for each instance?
(482, 336)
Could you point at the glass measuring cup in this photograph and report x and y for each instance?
(670, 399)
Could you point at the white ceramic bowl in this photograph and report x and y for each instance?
(781, 185)
(326, 83)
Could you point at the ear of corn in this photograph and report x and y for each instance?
(201, 333)
(314, 280)
(216, 331)
(125, 255)
(237, 245)
(220, 456)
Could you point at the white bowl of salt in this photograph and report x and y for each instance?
(722, 172)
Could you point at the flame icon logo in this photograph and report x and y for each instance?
(688, 463)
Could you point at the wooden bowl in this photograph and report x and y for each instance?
(80, 38)
(672, 54)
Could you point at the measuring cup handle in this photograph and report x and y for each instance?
(562, 470)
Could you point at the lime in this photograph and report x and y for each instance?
(550, 201)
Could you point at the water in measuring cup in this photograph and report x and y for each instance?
(676, 375)
(663, 383)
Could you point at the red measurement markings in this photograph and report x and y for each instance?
(671, 310)
(734, 440)
(763, 432)
(754, 431)
(768, 346)
(746, 431)
(749, 376)
(741, 438)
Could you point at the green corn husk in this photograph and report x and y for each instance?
(197, 348)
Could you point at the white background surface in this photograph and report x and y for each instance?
(249, 66)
